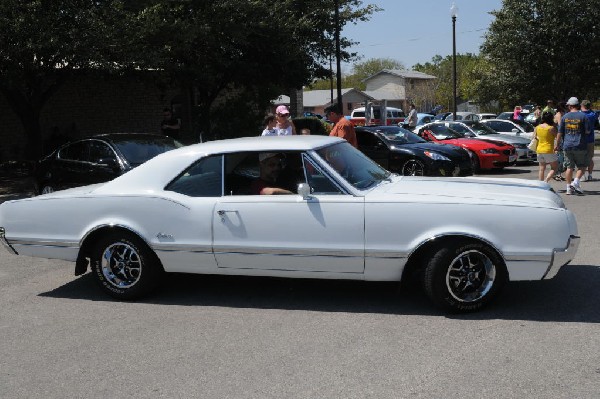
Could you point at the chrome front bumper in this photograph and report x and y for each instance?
(5, 243)
(561, 257)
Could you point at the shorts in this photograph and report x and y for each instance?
(547, 158)
(590, 153)
(576, 159)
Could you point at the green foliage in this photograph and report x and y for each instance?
(469, 71)
(541, 49)
(227, 52)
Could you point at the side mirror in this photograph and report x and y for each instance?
(517, 131)
(304, 190)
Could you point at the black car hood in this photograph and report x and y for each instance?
(444, 149)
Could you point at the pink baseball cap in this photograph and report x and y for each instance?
(282, 110)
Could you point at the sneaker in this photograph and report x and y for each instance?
(570, 190)
(589, 178)
(577, 189)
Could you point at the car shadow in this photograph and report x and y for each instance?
(512, 170)
(572, 296)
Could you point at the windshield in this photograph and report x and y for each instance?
(443, 132)
(399, 135)
(138, 150)
(481, 130)
(358, 170)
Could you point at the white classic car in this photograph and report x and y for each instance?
(197, 209)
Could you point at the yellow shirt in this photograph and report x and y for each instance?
(546, 136)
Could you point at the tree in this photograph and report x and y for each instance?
(470, 69)
(233, 55)
(44, 43)
(541, 49)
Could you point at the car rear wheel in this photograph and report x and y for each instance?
(413, 167)
(464, 276)
(125, 267)
(46, 189)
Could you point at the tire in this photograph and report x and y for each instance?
(47, 189)
(464, 275)
(413, 167)
(475, 162)
(124, 266)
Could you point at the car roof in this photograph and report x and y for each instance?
(156, 173)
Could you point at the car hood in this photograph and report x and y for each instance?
(467, 190)
(470, 142)
(445, 149)
(507, 138)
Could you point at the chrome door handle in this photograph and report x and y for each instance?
(221, 212)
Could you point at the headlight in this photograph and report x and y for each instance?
(489, 151)
(436, 157)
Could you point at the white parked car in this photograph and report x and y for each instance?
(520, 128)
(483, 116)
(193, 210)
(463, 116)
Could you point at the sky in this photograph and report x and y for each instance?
(413, 31)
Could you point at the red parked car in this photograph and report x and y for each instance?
(485, 154)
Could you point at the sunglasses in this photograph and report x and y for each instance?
(283, 115)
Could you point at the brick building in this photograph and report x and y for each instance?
(90, 105)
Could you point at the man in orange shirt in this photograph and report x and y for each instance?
(343, 127)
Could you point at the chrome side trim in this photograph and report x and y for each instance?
(182, 248)
(385, 254)
(289, 252)
(562, 256)
(528, 258)
(5, 244)
(40, 243)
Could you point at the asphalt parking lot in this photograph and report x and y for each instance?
(230, 337)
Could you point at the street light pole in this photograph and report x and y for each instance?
(338, 56)
(454, 13)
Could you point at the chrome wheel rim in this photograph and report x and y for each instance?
(413, 168)
(470, 276)
(47, 190)
(121, 265)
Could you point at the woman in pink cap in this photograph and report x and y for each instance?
(284, 127)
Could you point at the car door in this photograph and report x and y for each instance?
(71, 166)
(322, 233)
(373, 147)
(104, 164)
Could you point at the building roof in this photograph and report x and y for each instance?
(403, 74)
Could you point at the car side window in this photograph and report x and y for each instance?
(317, 180)
(77, 151)
(366, 140)
(100, 152)
(202, 179)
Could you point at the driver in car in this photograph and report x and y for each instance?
(270, 168)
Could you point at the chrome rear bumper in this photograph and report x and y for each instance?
(561, 257)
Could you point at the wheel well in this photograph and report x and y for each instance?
(416, 260)
(87, 246)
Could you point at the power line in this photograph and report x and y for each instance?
(412, 39)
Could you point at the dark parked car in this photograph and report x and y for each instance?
(403, 152)
(98, 159)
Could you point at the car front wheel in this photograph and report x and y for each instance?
(125, 267)
(413, 167)
(464, 276)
